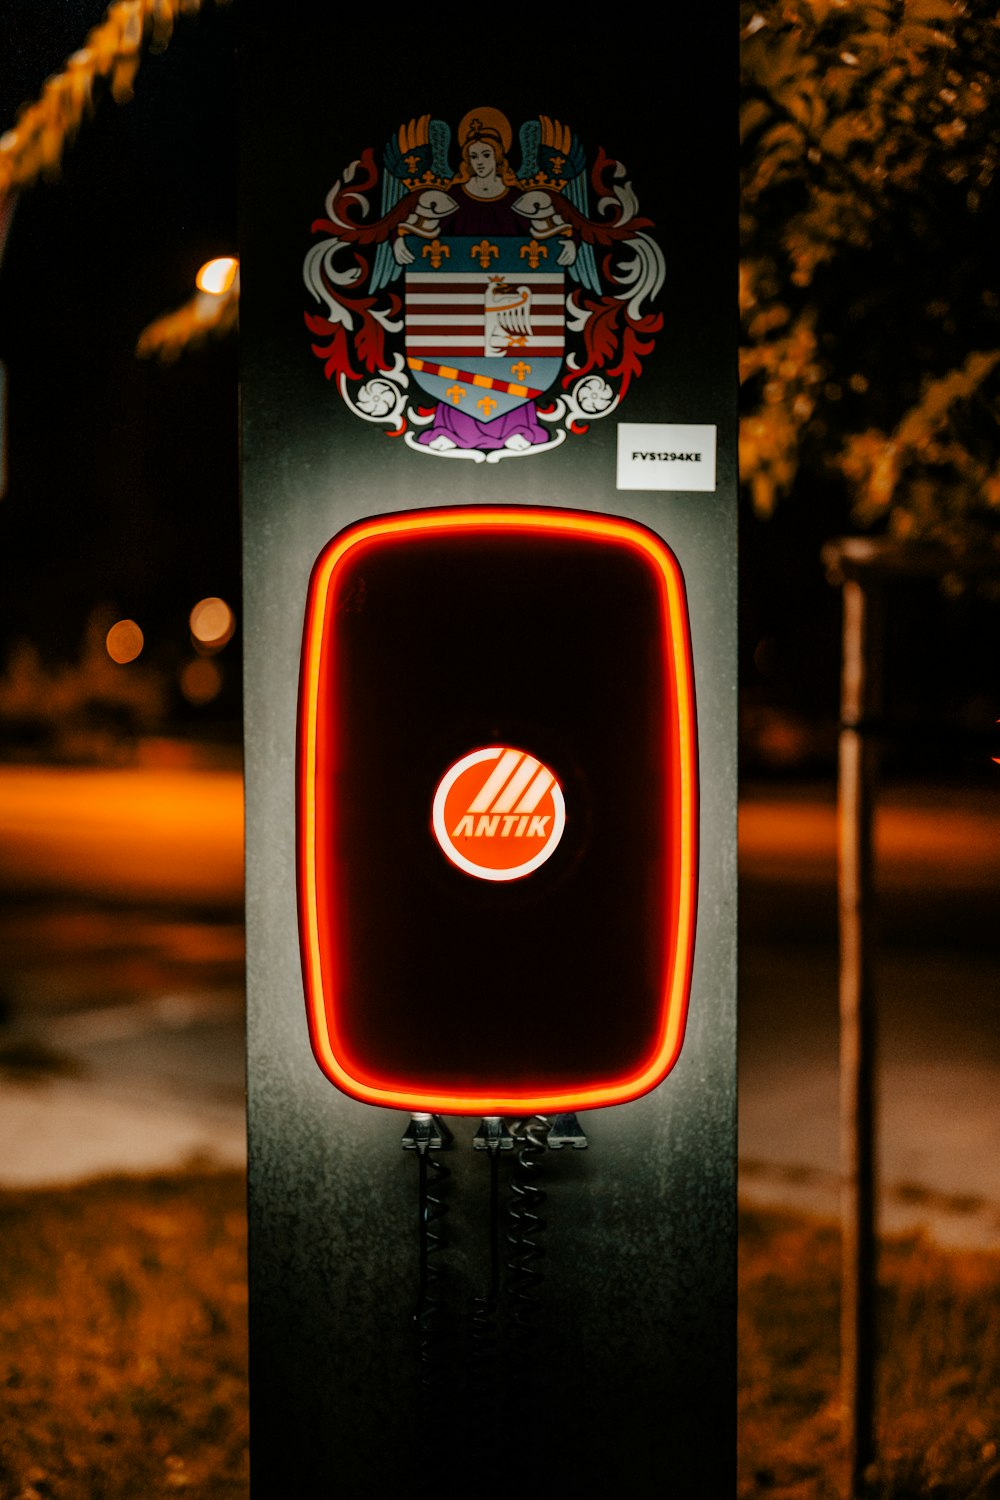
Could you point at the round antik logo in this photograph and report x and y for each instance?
(498, 813)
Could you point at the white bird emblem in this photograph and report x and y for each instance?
(508, 317)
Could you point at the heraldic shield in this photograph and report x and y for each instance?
(480, 311)
(485, 325)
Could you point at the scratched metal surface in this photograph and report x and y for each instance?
(634, 1372)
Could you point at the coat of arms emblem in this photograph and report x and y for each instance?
(483, 312)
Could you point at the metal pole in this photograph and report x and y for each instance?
(858, 769)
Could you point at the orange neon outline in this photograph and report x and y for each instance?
(676, 991)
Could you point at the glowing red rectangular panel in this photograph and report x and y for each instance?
(497, 810)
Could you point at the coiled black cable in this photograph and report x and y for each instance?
(484, 1306)
(429, 1315)
(483, 1429)
(525, 1225)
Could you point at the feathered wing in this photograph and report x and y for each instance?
(415, 155)
(530, 137)
(551, 154)
(584, 268)
(517, 319)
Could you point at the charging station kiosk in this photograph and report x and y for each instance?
(489, 520)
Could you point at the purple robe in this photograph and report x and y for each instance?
(467, 432)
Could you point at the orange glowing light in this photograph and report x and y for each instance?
(217, 276)
(212, 624)
(201, 681)
(124, 641)
(370, 839)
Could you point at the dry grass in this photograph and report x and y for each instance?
(123, 1340)
(123, 1351)
(939, 1426)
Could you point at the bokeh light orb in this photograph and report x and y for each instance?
(124, 641)
(200, 681)
(212, 624)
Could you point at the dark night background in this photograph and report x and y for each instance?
(123, 479)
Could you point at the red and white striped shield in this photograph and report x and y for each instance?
(488, 337)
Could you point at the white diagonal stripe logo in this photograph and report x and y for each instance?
(536, 791)
(502, 789)
(515, 785)
(495, 783)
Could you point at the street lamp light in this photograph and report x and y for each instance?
(217, 276)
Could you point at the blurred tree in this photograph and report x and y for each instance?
(91, 710)
(110, 56)
(869, 296)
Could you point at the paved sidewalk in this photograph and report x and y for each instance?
(121, 970)
(65, 1132)
(138, 1086)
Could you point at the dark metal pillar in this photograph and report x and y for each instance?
(634, 1362)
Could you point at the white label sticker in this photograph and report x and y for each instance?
(666, 456)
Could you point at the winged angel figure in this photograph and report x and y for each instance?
(483, 313)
